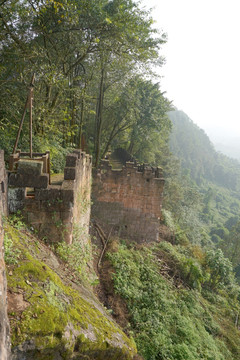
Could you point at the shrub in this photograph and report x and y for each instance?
(167, 323)
(220, 269)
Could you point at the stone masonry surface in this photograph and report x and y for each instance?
(129, 199)
(4, 325)
(55, 211)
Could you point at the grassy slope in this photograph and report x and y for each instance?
(174, 312)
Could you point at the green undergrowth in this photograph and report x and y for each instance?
(183, 302)
(78, 256)
(55, 320)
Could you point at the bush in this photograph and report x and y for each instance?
(220, 269)
(78, 256)
(167, 322)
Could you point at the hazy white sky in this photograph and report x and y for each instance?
(202, 70)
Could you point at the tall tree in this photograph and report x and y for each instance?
(84, 52)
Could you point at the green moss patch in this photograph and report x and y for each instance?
(58, 321)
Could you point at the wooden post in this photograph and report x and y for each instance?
(30, 113)
(48, 165)
(30, 120)
(24, 113)
(20, 126)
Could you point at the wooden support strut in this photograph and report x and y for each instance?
(101, 233)
(104, 248)
(30, 120)
(28, 103)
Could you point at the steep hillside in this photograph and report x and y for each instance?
(183, 302)
(217, 180)
(197, 154)
(52, 315)
(175, 300)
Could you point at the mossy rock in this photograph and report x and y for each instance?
(52, 321)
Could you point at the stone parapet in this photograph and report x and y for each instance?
(54, 210)
(25, 180)
(130, 199)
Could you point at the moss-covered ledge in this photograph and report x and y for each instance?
(52, 321)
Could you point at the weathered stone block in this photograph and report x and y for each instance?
(69, 173)
(24, 180)
(30, 167)
(17, 193)
(71, 160)
(31, 204)
(37, 217)
(48, 194)
(50, 205)
(77, 152)
(41, 194)
(50, 232)
(67, 196)
(15, 199)
(66, 215)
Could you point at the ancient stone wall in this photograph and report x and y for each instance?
(3, 184)
(4, 326)
(57, 212)
(129, 200)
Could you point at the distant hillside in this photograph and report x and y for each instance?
(197, 154)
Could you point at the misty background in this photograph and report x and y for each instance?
(201, 74)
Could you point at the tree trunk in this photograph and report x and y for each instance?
(132, 141)
(81, 124)
(99, 119)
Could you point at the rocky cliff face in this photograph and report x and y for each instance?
(4, 326)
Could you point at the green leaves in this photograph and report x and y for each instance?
(220, 268)
(69, 44)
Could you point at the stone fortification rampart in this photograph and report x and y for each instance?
(55, 211)
(3, 185)
(129, 199)
(4, 326)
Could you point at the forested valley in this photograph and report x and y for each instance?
(95, 89)
(216, 179)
